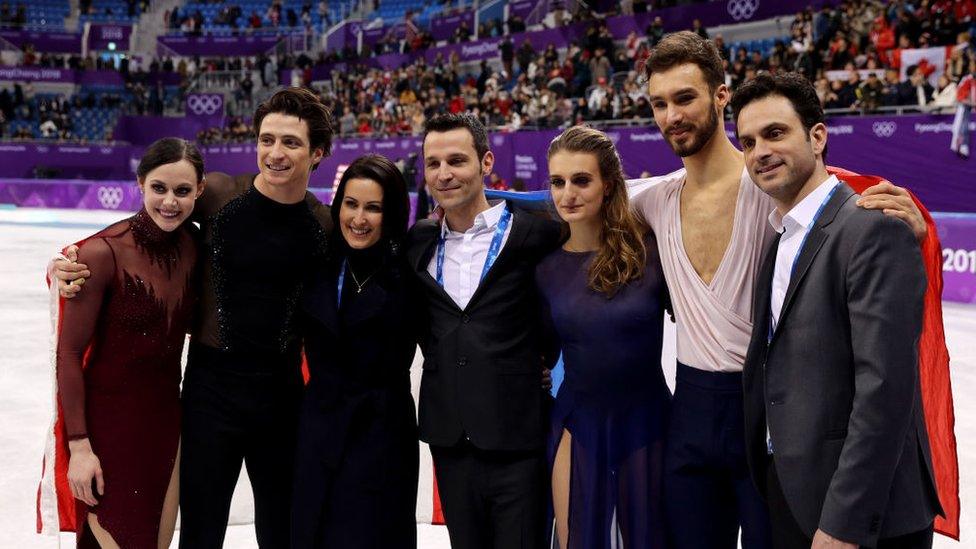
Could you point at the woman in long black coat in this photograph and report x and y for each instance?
(357, 459)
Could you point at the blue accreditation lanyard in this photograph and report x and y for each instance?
(493, 249)
(799, 250)
(342, 280)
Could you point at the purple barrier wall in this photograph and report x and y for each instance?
(70, 161)
(345, 35)
(521, 8)
(101, 35)
(68, 76)
(912, 151)
(958, 235)
(51, 42)
(223, 45)
(371, 36)
(442, 26)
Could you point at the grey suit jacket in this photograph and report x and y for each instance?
(838, 381)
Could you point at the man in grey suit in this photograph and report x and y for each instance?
(835, 433)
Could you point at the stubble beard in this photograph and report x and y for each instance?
(700, 137)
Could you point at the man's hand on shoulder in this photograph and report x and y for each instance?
(70, 274)
(896, 202)
(823, 540)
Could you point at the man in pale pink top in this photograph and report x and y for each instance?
(710, 223)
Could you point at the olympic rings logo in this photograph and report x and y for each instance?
(200, 104)
(742, 9)
(884, 129)
(110, 197)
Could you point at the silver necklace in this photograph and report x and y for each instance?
(359, 285)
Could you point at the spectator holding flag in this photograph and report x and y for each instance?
(966, 98)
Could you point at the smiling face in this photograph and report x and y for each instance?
(452, 170)
(781, 155)
(284, 155)
(685, 108)
(169, 192)
(361, 213)
(577, 189)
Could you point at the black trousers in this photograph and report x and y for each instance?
(788, 535)
(492, 499)
(705, 468)
(236, 413)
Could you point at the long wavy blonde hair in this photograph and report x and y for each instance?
(621, 256)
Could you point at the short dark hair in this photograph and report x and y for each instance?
(793, 86)
(396, 201)
(168, 150)
(679, 48)
(450, 121)
(307, 106)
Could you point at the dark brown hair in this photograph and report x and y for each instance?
(622, 254)
(307, 106)
(166, 151)
(679, 48)
(793, 86)
(450, 121)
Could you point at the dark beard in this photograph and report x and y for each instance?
(699, 139)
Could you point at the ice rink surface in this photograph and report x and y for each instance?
(29, 238)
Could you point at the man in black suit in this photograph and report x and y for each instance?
(835, 432)
(482, 410)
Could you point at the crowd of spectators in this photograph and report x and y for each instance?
(53, 113)
(232, 16)
(237, 130)
(132, 8)
(851, 53)
(14, 17)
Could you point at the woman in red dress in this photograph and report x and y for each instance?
(118, 361)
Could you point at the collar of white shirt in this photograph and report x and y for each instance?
(484, 221)
(802, 215)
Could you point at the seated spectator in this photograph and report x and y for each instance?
(916, 91)
(869, 93)
(48, 129)
(945, 95)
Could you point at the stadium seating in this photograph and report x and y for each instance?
(46, 15)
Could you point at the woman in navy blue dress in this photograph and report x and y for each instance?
(606, 295)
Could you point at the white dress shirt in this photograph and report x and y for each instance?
(794, 227)
(465, 254)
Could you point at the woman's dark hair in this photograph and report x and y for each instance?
(793, 86)
(396, 201)
(305, 105)
(168, 150)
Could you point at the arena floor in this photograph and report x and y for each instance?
(29, 237)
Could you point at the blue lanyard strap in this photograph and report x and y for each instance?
(342, 280)
(799, 250)
(493, 249)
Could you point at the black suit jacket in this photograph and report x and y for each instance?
(838, 383)
(483, 365)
